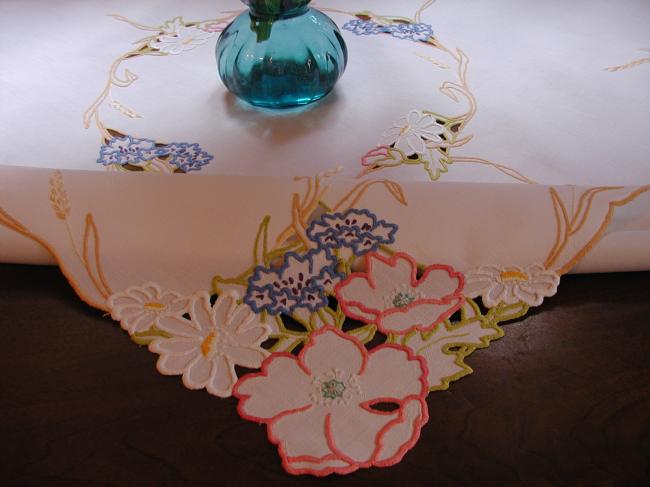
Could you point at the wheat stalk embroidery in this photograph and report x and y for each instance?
(59, 197)
(631, 64)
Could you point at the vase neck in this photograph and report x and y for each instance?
(277, 8)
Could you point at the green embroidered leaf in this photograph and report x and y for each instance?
(510, 312)
(446, 347)
(261, 242)
(221, 285)
(364, 333)
(144, 338)
(286, 343)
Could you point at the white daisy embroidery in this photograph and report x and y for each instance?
(139, 308)
(410, 133)
(205, 348)
(178, 37)
(511, 284)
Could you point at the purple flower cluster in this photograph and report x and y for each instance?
(360, 230)
(305, 281)
(302, 281)
(127, 150)
(130, 150)
(415, 32)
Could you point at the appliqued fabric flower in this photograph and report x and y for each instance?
(511, 285)
(186, 157)
(178, 37)
(359, 230)
(390, 294)
(410, 133)
(321, 410)
(302, 281)
(139, 308)
(127, 150)
(206, 347)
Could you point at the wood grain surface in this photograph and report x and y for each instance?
(563, 399)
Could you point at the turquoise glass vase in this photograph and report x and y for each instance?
(281, 53)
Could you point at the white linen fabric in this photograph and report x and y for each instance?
(544, 92)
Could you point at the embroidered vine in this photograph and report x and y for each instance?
(124, 152)
(413, 148)
(423, 137)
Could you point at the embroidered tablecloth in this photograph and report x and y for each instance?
(354, 251)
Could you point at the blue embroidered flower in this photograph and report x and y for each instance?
(303, 281)
(186, 157)
(127, 150)
(364, 27)
(359, 230)
(415, 32)
(130, 150)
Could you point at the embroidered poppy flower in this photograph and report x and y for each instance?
(390, 294)
(322, 408)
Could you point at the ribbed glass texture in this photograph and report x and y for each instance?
(288, 60)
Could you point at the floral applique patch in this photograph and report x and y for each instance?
(348, 335)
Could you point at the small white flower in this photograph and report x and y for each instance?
(139, 308)
(178, 37)
(511, 285)
(410, 133)
(206, 347)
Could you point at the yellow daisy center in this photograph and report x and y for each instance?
(154, 306)
(206, 346)
(406, 129)
(514, 275)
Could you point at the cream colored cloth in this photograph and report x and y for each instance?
(552, 93)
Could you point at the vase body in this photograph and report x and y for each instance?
(288, 56)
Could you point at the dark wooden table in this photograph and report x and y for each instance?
(563, 399)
